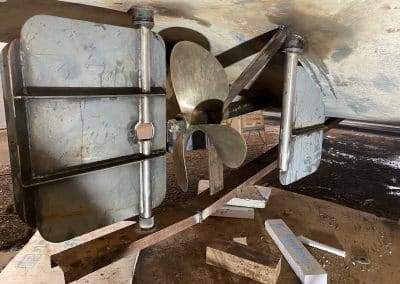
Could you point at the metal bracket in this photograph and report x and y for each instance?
(143, 20)
(261, 60)
(74, 166)
(303, 117)
(293, 46)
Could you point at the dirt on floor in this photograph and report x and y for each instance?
(181, 258)
(360, 170)
(13, 232)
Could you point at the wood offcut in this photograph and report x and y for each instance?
(244, 261)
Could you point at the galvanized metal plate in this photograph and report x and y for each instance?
(76, 153)
(305, 157)
(84, 54)
(309, 108)
(71, 132)
(306, 147)
(77, 205)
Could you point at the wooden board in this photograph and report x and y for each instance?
(234, 212)
(244, 261)
(300, 260)
(203, 185)
(32, 263)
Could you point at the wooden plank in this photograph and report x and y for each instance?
(244, 261)
(300, 260)
(234, 212)
(215, 170)
(87, 257)
(247, 202)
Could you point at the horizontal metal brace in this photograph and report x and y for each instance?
(308, 129)
(80, 97)
(258, 63)
(89, 168)
(83, 93)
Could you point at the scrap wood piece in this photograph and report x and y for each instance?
(318, 245)
(203, 185)
(253, 196)
(265, 191)
(300, 260)
(32, 263)
(234, 212)
(244, 261)
(87, 257)
(135, 261)
(215, 170)
(241, 240)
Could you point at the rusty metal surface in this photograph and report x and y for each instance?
(351, 51)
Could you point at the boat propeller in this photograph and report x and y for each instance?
(201, 89)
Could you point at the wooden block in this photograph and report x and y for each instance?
(203, 185)
(234, 212)
(32, 263)
(215, 170)
(265, 191)
(244, 261)
(300, 260)
(241, 240)
(250, 197)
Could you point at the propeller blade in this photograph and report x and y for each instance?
(229, 144)
(197, 77)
